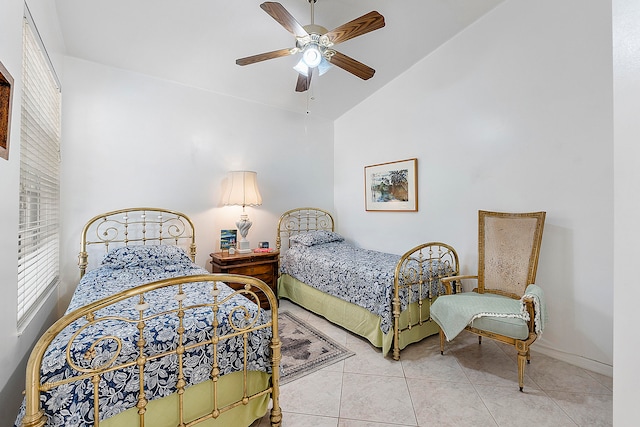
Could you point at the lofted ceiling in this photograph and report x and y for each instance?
(196, 43)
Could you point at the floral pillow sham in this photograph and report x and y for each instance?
(146, 256)
(317, 237)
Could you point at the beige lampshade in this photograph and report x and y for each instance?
(242, 189)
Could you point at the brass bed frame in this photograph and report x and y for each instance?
(204, 404)
(413, 273)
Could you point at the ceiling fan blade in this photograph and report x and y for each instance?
(351, 65)
(303, 82)
(280, 14)
(359, 26)
(264, 56)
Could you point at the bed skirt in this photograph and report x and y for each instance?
(354, 318)
(162, 413)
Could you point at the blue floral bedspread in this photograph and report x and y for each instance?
(359, 276)
(71, 405)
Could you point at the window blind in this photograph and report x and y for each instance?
(38, 232)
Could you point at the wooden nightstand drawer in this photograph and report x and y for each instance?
(264, 301)
(253, 270)
(263, 266)
(266, 278)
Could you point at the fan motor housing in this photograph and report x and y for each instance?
(315, 29)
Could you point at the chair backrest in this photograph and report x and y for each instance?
(508, 251)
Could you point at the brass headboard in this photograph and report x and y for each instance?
(301, 220)
(135, 226)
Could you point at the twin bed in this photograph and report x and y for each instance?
(150, 338)
(382, 297)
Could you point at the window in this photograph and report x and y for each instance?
(38, 232)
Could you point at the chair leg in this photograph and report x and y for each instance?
(479, 339)
(522, 358)
(442, 339)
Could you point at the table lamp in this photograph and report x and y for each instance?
(242, 190)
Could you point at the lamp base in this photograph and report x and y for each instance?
(244, 247)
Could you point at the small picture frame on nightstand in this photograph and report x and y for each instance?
(228, 239)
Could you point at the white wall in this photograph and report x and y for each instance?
(15, 347)
(513, 114)
(133, 140)
(626, 65)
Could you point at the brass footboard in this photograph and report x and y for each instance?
(418, 282)
(90, 363)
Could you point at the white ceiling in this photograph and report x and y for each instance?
(196, 43)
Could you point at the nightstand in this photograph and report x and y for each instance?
(261, 265)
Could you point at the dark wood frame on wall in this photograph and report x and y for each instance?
(6, 86)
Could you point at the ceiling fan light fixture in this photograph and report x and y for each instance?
(312, 55)
(302, 68)
(324, 66)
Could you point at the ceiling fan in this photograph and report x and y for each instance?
(316, 44)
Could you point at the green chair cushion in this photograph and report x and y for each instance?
(454, 312)
(508, 326)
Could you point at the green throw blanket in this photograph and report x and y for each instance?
(454, 312)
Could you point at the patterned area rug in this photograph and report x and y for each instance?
(305, 349)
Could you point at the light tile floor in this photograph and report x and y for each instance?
(470, 385)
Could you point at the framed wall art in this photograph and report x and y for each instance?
(392, 186)
(6, 86)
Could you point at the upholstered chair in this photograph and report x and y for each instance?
(506, 305)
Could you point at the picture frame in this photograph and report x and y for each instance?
(228, 239)
(6, 92)
(392, 186)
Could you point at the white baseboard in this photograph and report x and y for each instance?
(591, 365)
